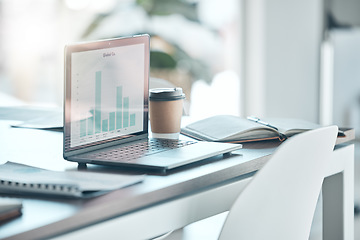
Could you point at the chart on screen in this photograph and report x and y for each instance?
(107, 93)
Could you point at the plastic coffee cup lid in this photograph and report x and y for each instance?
(166, 94)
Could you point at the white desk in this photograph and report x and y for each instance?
(160, 203)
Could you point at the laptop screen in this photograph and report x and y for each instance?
(106, 91)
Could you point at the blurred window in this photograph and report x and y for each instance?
(195, 45)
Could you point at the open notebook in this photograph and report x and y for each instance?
(229, 128)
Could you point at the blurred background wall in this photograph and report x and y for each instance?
(270, 58)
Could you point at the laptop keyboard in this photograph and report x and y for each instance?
(134, 151)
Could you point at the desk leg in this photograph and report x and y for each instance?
(338, 197)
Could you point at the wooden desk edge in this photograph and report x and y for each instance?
(349, 136)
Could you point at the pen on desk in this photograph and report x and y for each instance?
(258, 120)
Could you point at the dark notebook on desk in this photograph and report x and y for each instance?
(106, 110)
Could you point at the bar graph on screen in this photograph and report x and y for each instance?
(108, 100)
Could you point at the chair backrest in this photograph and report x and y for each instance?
(279, 203)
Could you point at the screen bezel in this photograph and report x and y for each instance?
(96, 45)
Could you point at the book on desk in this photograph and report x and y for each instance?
(23, 179)
(228, 128)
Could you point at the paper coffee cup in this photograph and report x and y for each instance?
(166, 106)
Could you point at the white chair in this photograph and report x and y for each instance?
(280, 201)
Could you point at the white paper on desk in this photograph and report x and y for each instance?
(50, 121)
(18, 178)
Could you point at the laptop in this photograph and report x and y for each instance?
(106, 110)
